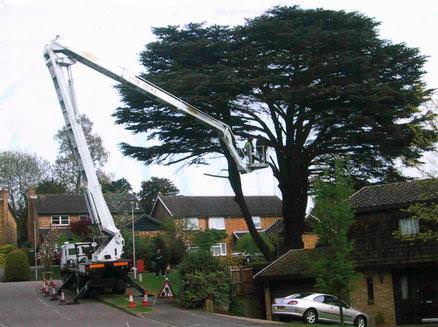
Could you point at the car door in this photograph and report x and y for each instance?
(331, 308)
(347, 312)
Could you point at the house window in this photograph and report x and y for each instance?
(191, 224)
(370, 290)
(257, 222)
(409, 226)
(59, 220)
(219, 249)
(216, 223)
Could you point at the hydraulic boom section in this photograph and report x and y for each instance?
(110, 249)
(63, 53)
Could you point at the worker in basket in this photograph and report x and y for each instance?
(248, 148)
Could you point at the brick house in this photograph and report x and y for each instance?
(218, 212)
(399, 282)
(8, 223)
(58, 211)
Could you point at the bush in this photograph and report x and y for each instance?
(17, 266)
(4, 251)
(247, 245)
(203, 276)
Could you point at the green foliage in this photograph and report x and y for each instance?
(50, 187)
(247, 245)
(118, 186)
(17, 266)
(334, 269)
(67, 168)
(151, 188)
(236, 309)
(325, 75)
(204, 240)
(203, 276)
(4, 251)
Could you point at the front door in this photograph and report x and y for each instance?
(416, 295)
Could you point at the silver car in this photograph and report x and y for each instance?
(314, 307)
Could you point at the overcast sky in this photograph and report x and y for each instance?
(117, 31)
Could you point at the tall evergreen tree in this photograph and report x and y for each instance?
(312, 84)
(151, 188)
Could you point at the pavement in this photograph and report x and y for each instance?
(22, 304)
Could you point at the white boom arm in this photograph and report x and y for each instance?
(59, 58)
(149, 89)
(97, 207)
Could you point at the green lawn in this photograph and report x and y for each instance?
(154, 283)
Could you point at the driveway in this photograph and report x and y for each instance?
(174, 317)
(22, 305)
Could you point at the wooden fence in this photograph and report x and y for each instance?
(241, 280)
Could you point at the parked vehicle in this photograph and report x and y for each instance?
(314, 307)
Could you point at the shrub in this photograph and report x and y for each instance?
(17, 266)
(203, 276)
(247, 245)
(4, 251)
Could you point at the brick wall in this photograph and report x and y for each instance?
(383, 297)
(8, 225)
(309, 239)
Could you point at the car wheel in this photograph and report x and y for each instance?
(310, 316)
(360, 322)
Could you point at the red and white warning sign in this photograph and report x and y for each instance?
(166, 290)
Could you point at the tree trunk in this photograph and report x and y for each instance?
(294, 185)
(236, 184)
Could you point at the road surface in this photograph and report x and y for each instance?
(23, 305)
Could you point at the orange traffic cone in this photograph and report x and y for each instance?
(145, 302)
(131, 303)
(54, 296)
(62, 298)
(51, 283)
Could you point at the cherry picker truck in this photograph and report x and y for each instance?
(92, 266)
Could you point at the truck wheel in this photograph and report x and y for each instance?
(119, 287)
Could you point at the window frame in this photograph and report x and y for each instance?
(409, 226)
(210, 219)
(187, 223)
(222, 249)
(370, 290)
(60, 219)
(259, 222)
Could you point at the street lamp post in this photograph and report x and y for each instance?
(134, 266)
(35, 249)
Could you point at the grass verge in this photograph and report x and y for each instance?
(154, 283)
(121, 302)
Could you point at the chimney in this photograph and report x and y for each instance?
(31, 216)
(5, 202)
